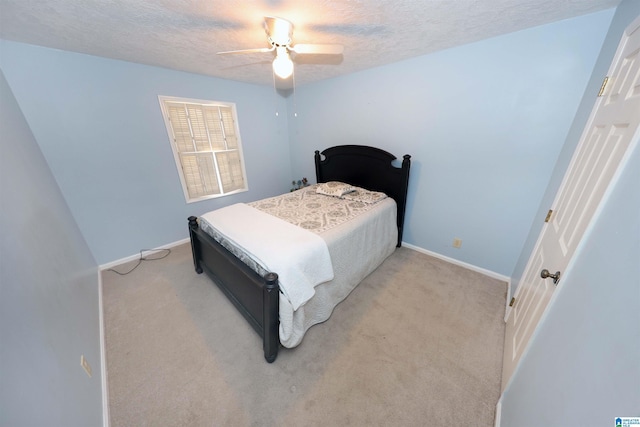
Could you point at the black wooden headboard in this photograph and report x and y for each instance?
(369, 168)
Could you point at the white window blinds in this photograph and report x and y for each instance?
(206, 146)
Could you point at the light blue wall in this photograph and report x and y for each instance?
(484, 123)
(583, 363)
(49, 313)
(99, 125)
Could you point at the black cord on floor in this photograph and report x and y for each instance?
(166, 254)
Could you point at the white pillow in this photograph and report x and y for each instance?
(365, 196)
(334, 188)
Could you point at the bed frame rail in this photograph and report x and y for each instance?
(241, 285)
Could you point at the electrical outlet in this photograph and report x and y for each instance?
(457, 242)
(85, 365)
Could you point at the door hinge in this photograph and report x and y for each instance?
(513, 301)
(548, 215)
(604, 85)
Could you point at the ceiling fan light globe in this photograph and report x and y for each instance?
(283, 66)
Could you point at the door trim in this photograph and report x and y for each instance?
(631, 148)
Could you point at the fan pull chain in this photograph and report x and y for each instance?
(295, 103)
(275, 93)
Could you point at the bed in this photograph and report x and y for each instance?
(259, 294)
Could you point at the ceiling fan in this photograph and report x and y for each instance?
(279, 32)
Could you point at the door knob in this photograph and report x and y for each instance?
(545, 273)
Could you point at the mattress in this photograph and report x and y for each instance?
(360, 232)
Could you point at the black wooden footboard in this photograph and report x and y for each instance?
(256, 297)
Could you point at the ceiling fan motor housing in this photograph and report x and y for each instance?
(279, 31)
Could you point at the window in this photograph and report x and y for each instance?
(206, 145)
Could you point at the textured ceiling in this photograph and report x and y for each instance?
(186, 34)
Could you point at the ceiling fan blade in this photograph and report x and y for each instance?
(319, 49)
(278, 29)
(258, 50)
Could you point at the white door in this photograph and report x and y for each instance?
(600, 151)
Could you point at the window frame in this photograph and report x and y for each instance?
(177, 154)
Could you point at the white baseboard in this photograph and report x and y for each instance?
(103, 357)
(137, 256)
(471, 267)
(498, 413)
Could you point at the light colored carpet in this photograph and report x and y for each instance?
(417, 343)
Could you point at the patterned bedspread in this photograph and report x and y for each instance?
(318, 212)
(305, 208)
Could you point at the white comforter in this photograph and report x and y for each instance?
(301, 258)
